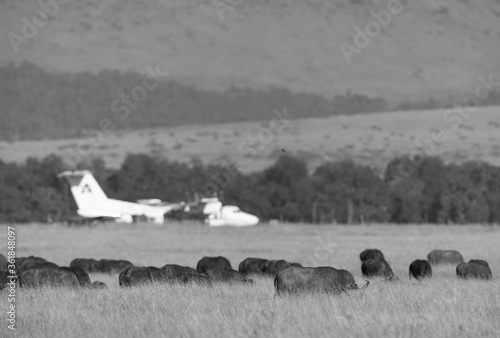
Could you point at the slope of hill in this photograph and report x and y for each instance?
(372, 139)
(36, 104)
(431, 49)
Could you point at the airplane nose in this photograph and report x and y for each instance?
(255, 220)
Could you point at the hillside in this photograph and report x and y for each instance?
(431, 49)
(372, 139)
(41, 105)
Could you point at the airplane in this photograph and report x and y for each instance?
(214, 213)
(92, 202)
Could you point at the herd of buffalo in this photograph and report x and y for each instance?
(288, 277)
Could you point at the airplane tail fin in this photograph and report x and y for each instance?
(84, 188)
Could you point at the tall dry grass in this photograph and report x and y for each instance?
(441, 307)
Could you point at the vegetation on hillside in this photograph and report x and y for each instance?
(41, 105)
(343, 192)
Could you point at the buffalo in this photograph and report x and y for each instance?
(252, 266)
(371, 254)
(86, 264)
(474, 270)
(147, 275)
(213, 263)
(218, 269)
(174, 269)
(348, 276)
(55, 276)
(99, 285)
(189, 278)
(419, 269)
(3, 263)
(136, 275)
(31, 262)
(437, 257)
(227, 276)
(321, 279)
(479, 261)
(274, 267)
(20, 260)
(377, 268)
(5, 279)
(111, 266)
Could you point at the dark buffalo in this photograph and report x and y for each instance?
(86, 264)
(3, 263)
(371, 254)
(21, 260)
(479, 261)
(474, 270)
(31, 262)
(227, 276)
(213, 263)
(99, 285)
(4, 279)
(174, 269)
(274, 267)
(445, 257)
(167, 275)
(185, 275)
(111, 266)
(139, 275)
(348, 276)
(419, 269)
(189, 278)
(252, 266)
(321, 279)
(50, 276)
(377, 268)
(25, 266)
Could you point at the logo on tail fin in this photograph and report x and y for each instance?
(86, 188)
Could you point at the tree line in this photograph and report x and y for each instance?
(38, 104)
(340, 192)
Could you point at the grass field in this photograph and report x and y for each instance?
(442, 307)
